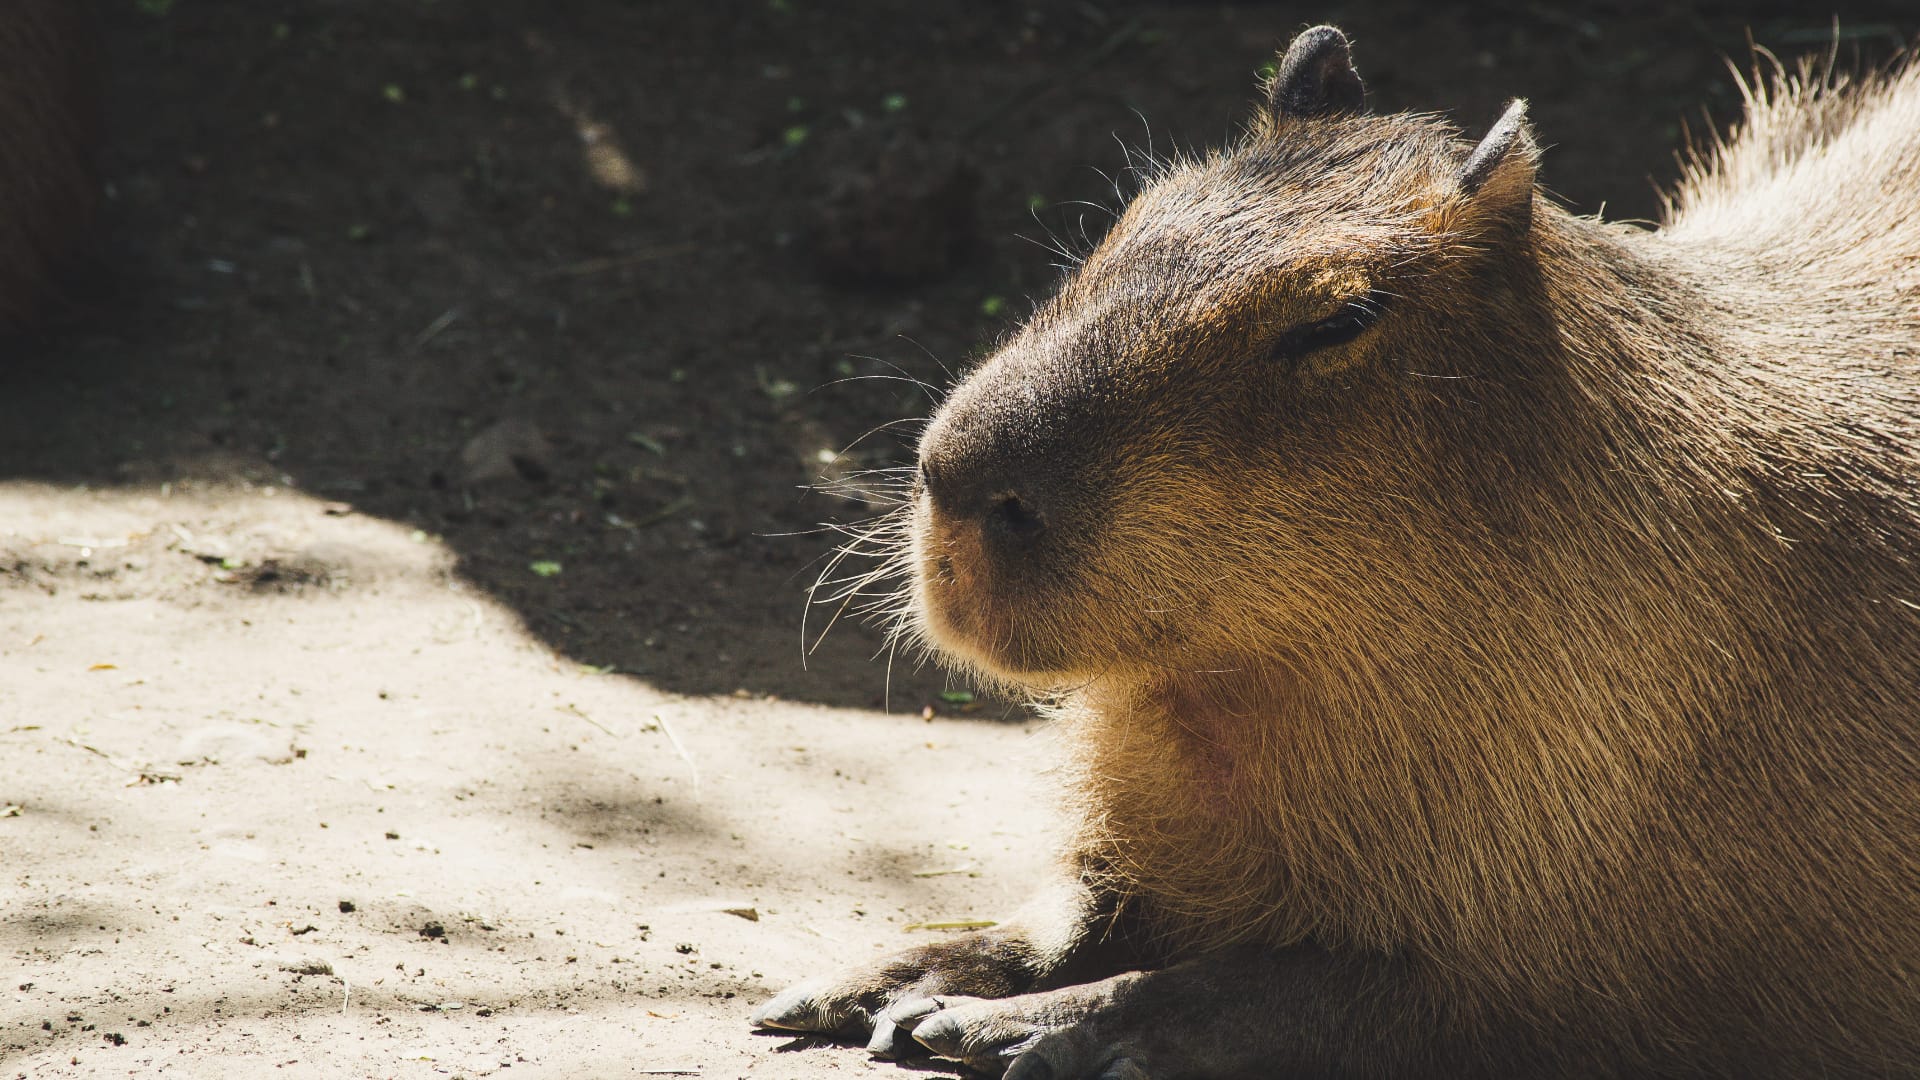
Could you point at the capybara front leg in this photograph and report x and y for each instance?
(1057, 939)
(1241, 1014)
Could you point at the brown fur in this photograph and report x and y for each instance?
(48, 127)
(1560, 635)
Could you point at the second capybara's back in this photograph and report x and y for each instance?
(1526, 604)
(49, 89)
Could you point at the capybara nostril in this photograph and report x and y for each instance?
(1014, 518)
(976, 483)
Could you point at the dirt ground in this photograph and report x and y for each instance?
(404, 538)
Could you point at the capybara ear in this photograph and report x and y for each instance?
(1497, 179)
(1316, 77)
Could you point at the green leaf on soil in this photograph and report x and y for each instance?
(774, 387)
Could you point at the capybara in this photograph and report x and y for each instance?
(49, 124)
(1489, 638)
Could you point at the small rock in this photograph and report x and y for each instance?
(508, 449)
(440, 199)
(230, 743)
(308, 967)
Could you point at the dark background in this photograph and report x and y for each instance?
(632, 258)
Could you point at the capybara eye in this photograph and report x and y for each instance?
(1351, 321)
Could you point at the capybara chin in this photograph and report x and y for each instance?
(49, 103)
(1489, 638)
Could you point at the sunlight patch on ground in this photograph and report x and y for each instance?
(274, 767)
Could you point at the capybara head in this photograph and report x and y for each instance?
(1232, 418)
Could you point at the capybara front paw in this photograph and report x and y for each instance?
(985, 1035)
(855, 1009)
(819, 1006)
(882, 1003)
(1050, 1036)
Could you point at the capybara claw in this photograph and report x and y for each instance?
(891, 1042)
(795, 1009)
(984, 1035)
(943, 1034)
(893, 1028)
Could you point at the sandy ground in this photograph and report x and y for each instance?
(284, 797)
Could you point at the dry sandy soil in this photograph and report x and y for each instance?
(353, 820)
(403, 538)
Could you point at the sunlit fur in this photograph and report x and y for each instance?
(1560, 634)
(48, 191)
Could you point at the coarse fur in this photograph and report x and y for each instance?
(49, 126)
(1554, 641)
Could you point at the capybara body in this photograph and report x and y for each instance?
(1489, 638)
(49, 125)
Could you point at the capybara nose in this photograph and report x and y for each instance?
(1008, 515)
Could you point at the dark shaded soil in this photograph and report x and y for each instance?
(346, 238)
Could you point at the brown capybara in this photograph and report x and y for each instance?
(49, 104)
(1489, 637)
